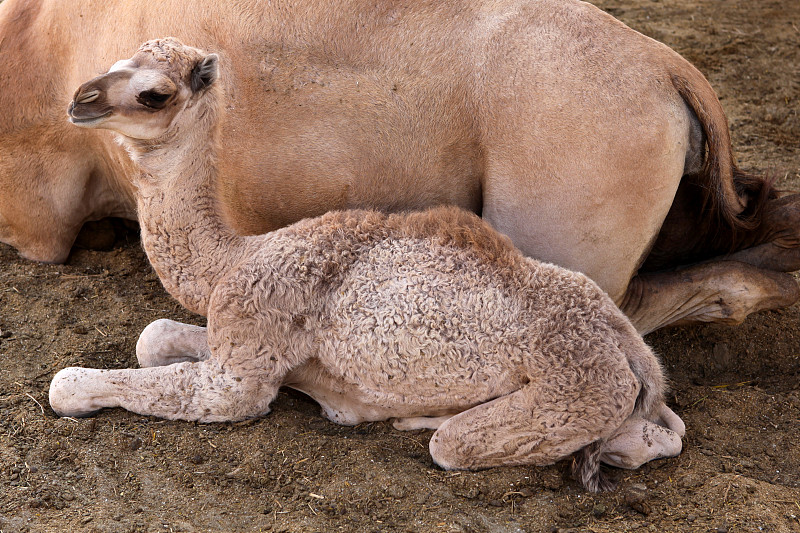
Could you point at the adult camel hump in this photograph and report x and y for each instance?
(590, 145)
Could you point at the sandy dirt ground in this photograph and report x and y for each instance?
(735, 387)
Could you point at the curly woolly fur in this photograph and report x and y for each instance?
(425, 314)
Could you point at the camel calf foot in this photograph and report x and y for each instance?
(639, 441)
(67, 396)
(718, 291)
(165, 342)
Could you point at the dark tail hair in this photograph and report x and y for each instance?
(733, 197)
(586, 468)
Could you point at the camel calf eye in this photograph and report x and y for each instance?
(153, 99)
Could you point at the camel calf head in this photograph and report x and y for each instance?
(139, 97)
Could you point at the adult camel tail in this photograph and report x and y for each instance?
(645, 366)
(734, 198)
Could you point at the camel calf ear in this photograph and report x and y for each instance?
(205, 72)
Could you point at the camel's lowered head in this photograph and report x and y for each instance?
(141, 96)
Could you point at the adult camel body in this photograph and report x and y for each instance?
(571, 133)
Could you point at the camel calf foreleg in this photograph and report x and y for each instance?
(199, 392)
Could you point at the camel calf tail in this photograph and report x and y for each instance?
(648, 370)
(652, 388)
(586, 469)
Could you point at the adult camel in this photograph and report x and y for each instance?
(590, 145)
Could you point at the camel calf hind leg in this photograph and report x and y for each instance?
(639, 440)
(537, 425)
(420, 422)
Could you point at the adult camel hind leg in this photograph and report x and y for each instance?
(717, 291)
(728, 276)
(775, 244)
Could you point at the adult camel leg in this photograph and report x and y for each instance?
(717, 291)
(538, 424)
(200, 392)
(770, 256)
(684, 239)
(777, 241)
(165, 342)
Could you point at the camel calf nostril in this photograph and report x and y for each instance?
(88, 97)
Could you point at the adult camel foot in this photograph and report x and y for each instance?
(717, 291)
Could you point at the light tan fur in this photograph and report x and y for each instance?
(429, 314)
(563, 128)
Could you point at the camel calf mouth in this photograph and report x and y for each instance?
(85, 121)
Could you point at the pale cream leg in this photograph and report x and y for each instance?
(199, 392)
(420, 422)
(639, 441)
(164, 342)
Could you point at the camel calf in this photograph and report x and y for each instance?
(432, 318)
